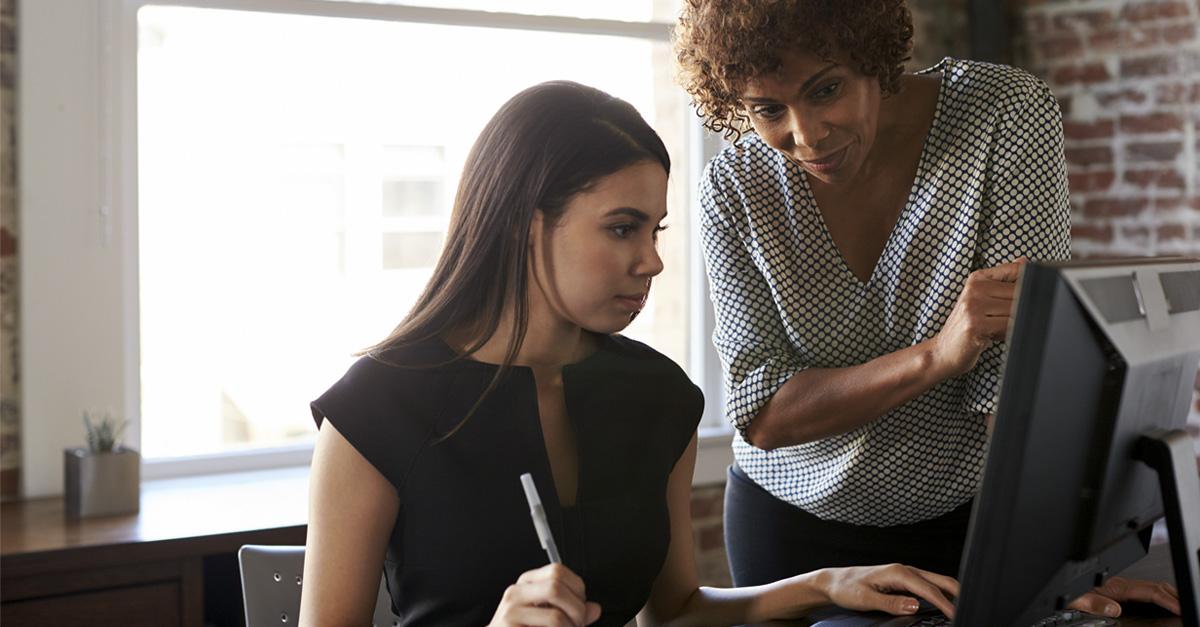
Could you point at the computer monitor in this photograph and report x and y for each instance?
(1088, 443)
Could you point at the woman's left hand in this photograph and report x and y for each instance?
(1106, 600)
(892, 588)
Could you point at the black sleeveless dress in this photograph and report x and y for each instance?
(463, 533)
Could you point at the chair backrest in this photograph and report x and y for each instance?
(271, 582)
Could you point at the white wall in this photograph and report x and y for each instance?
(76, 329)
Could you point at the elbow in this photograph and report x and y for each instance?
(761, 435)
(768, 433)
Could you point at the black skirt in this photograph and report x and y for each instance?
(767, 539)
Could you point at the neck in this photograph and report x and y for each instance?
(550, 342)
(897, 125)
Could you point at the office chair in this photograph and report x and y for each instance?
(271, 587)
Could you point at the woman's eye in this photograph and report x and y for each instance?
(657, 230)
(767, 112)
(622, 230)
(828, 90)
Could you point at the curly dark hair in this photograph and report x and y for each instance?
(720, 45)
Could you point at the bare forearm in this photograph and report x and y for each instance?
(786, 598)
(822, 402)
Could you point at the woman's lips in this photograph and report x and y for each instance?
(828, 163)
(633, 302)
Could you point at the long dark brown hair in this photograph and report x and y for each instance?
(545, 145)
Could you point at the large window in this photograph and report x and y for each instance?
(294, 185)
(222, 201)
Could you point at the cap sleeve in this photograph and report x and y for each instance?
(375, 407)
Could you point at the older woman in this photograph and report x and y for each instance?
(862, 237)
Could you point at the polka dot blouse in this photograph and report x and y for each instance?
(990, 186)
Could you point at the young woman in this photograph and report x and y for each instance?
(863, 238)
(509, 363)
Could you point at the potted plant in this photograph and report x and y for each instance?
(104, 478)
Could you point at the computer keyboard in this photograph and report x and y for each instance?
(1064, 618)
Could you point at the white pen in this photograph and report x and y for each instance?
(538, 513)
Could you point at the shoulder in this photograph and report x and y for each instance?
(743, 161)
(1001, 90)
(742, 173)
(627, 348)
(656, 384)
(395, 375)
(654, 369)
(394, 364)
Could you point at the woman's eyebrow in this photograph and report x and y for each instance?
(803, 86)
(636, 214)
(816, 77)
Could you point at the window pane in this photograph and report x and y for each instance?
(624, 10)
(411, 250)
(293, 197)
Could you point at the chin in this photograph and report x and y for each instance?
(608, 327)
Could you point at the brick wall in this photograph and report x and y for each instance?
(10, 460)
(1127, 74)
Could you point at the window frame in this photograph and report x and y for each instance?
(79, 307)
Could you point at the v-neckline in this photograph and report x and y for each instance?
(603, 345)
(811, 198)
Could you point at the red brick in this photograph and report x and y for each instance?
(1088, 73)
(1171, 93)
(1144, 11)
(1089, 19)
(711, 538)
(10, 480)
(1092, 155)
(8, 243)
(1167, 232)
(1087, 130)
(1036, 23)
(1092, 232)
(1107, 254)
(1083, 182)
(1058, 47)
(1167, 178)
(1153, 151)
(704, 506)
(1141, 37)
(1064, 103)
(1098, 207)
(1108, 99)
(1104, 40)
(1139, 234)
(1169, 203)
(1153, 65)
(1178, 33)
(1151, 123)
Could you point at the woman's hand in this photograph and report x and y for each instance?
(550, 596)
(980, 317)
(892, 588)
(1106, 600)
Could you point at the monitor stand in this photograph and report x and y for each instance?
(1172, 454)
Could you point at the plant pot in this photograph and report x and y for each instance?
(101, 484)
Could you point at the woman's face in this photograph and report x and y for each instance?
(593, 268)
(820, 114)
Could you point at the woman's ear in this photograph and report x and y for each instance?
(535, 228)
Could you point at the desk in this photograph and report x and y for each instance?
(1156, 566)
(151, 568)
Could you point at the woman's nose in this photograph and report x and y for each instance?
(650, 262)
(808, 130)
